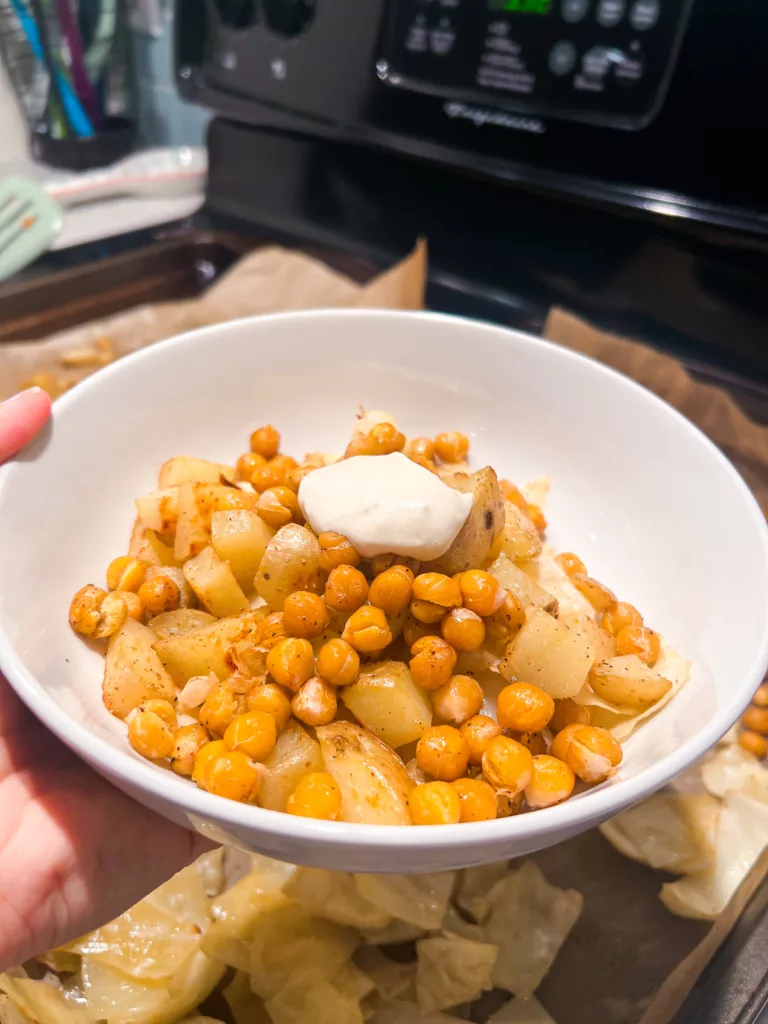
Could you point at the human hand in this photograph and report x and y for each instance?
(74, 851)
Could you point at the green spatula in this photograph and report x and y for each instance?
(29, 222)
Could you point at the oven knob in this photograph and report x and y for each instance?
(289, 17)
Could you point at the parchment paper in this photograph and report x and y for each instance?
(628, 960)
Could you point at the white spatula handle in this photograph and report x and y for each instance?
(155, 172)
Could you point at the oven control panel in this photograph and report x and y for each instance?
(602, 61)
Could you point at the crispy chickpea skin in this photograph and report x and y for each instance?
(392, 590)
(452, 446)
(254, 733)
(265, 442)
(507, 765)
(272, 699)
(233, 776)
(435, 803)
(337, 662)
(187, 744)
(367, 630)
(507, 620)
(346, 589)
(477, 799)
(315, 703)
(457, 700)
(524, 708)
(641, 641)
(335, 550)
(271, 631)
(126, 573)
(617, 616)
(160, 594)
(590, 752)
(316, 796)
(291, 662)
(480, 592)
(551, 783)
(437, 588)
(463, 629)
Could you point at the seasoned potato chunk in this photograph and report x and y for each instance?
(159, 511)
(372, 778)
(133, 672)
(546, 652)
(482, 528)
(295, 755)
(527, 591)
(185, 470)
(205, 650)
(628, 682)
(215, 585)
(197, 504)
(291, 562)
(183, 620)
(602, 643)
(388, 703)
(240, 537)
(520, 540)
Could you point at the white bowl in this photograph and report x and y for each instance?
(644, 498)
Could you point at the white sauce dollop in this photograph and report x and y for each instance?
(385, 504)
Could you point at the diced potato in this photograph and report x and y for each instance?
(549, 654)
(159, 511)
(137, 538)
(173, 572)
(520, 540)
(603, 644)
(291, 562)
(295, 755)
(205, 650)
(372, 778)
(481, 529)
(155, 551)
(241, 537)
(180, 622)
(215, 585)
(526, 590)
(628, 682)
(197, 504)
(133, 672)
(388, 703)
(185, 470)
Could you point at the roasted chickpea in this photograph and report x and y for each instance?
(338, 663)
(552, 782)
(294, 476)
(151, 729)
(537, 517)
(617, 616)
(753, 743)
(160, 594)
(291, 662)
(590, 751)
(305, 614)
(278, 506)
(316, 796)
(421, 450)
(507, 620)
(524, 708)
(187, 744)
(478, 733)
(392, 590)
(641, 641)
(571, 564)
(414, 630)
(432, 663)
(265, 441)
(568, 712)
(511, 493)
(221, 705)
(452, 446)
(761, 697)
(335, 550)
(233, 776)
(480, 592)
(380, 563)
(254, 733)
(271, 631)
(477, 799)
(385, 439)
(442, 752)
(205, 755)
(247, 465)
(367, 630)
(463, 629)
(95, 613)
(315, 703)
(507, 765)
(126, 573)
(427, 612)
(435, 803)
(599, 597)
(271, 699)
(534, 741)
(457, 700)
(436, 588)
(346, 589)
(756, 719)
(132, 603)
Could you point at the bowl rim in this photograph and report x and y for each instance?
(587, 809)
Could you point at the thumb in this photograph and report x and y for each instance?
(21, 417)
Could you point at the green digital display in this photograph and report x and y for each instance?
(521, 6)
